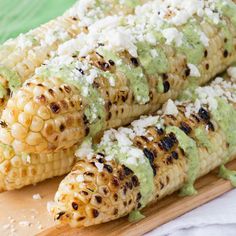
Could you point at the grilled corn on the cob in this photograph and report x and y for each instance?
(124, 67)
(18, 170)
(19, 57)
(132, 167)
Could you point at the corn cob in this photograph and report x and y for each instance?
(18, 170)
(19, 57)
(124, 67)
(135, 166)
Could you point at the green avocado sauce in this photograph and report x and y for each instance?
(225, 116)
(192, 46)
(14, 80)
(189, 92)
(141, 168)
(160, 86)
(190, 148)
(202, 137)
(145, 176)
(228, 9)
(229, 42)
(130, 3)
(135, 216)
(94, 108)
(138, 81)
(152, 65)
(228, 175)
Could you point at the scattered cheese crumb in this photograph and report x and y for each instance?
(170, 108)
(204, 39)
(80, 178)
(25, 223)
(194, 72)
(172, 35)
(99, 166)
(232, 72)
(85, 149)
(37, 196)
(40, 226)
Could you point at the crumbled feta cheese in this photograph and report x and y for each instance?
(232, 72)
(25, 223)
(99, 166)
(80, 178)
(172, 35)
(122, 139)
(139, 126)
(37, 196)
(154, 53)
(194, 70)
(108, 158)
(24, 42)
(40, 226)
(204, 39)
(170, 108)
(151, 38)
(85, 150)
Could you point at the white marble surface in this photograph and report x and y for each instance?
(216, 218)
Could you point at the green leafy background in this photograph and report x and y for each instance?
(19, 16)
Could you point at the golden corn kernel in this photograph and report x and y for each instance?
(8, 116)
(5, 136)
(33, 138)
(16, 161)
(37, 124)
(18, 131)
(31, 108)
(18, 146)
(44, 113)
(42, 146)
(25, 119)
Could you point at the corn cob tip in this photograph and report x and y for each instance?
(19, 170)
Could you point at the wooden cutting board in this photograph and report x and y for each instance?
(20, 214)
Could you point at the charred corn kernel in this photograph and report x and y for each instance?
(19, 57)
(107, 82)
(155, 156)
(18, 170)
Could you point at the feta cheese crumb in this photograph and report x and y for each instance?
(170, 108)
(154, 53)
(204, 39)
(99, 166)
(172, 35)
(80, 178)
(25, 223)
(40, 226)
(232, 72)
(37, 196)
(194, 72)
(85, 150)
